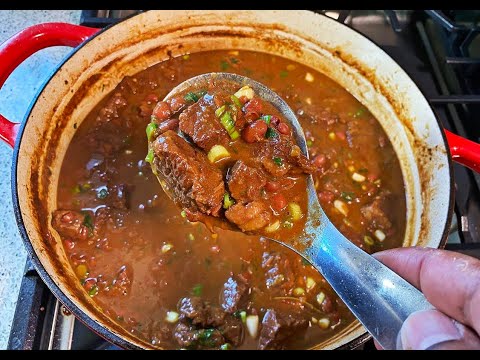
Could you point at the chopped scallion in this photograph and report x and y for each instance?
(227, 201)
(192, 97)
(150, 130)
(236, 101)
(149, 157)
(267, 118)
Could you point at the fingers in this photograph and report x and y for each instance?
(433, 330)
(450, 281)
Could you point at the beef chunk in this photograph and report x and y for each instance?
(281, 156)
(195, 183)
(199, 122)
(278, 327)
(279, 276)
(119, 196)
(188, 336)
(232, 331)
(245, 183)
(375, 215)
(233, 294)
(112, 107)
(200, 313)
(72, 224)
(249, 217)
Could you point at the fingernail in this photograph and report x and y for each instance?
(425, 329)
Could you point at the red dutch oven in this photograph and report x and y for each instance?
(102, 58)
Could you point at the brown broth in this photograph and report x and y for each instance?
(158, 280)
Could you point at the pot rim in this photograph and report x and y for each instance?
(79, 314)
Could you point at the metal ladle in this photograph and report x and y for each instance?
(379, 298)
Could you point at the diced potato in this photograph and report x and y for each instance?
(341, 207)
(310, 283)
(320, 297)
(332, 136)
(298, 291)
(308, 101)
(351, 168)
(324, 323)
(380, 235)
(295, 210)
(252, 325)
(358, 177)
(273, 227)
(172, 317)
(216, 153)
(245, 91)
(309, 77)
(166, 248)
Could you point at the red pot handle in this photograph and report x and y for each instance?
(28, 41)
(464, 151)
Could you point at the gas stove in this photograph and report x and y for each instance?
(439, 49)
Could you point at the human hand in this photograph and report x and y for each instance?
(451, 282)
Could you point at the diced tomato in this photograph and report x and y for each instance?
(255, 131)
(319, 161)
(162, 111)
(152, 99)
(340, 135)
(243, 99)
(278, 202)
(69, 244)
(272, 186)
(283, 128)
(326, 196)
(372, 177)
(253, 105)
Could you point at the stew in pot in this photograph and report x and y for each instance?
(171, 281)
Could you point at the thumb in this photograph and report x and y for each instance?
(433, 330)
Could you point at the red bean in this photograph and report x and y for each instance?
(274, 121)
(283, 128)
(272, 186)
(319, 161)
(162, 111)
(326, 196)
(278, 202)
(255, 131)
(253, 105)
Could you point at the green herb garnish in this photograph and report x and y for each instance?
(191, 96)
(197, 290)
(278, 161)
(346, 195)
(283, 74)
(271, 134)
(102, 193)
(224, 65)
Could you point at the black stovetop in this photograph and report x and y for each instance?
(440, 50)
